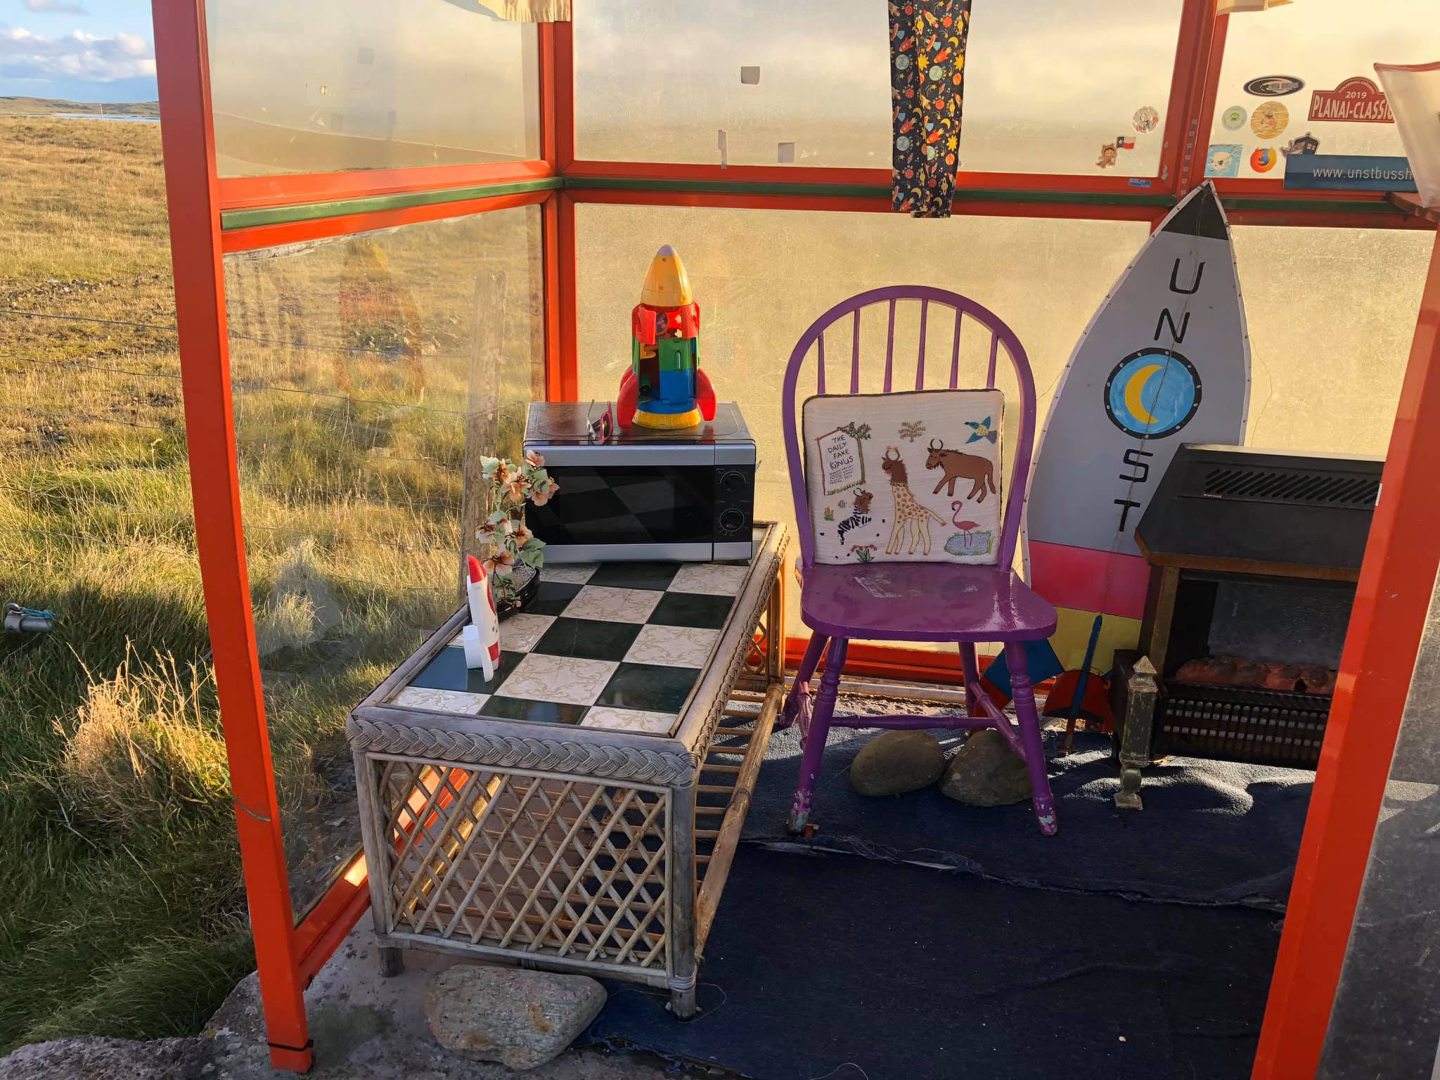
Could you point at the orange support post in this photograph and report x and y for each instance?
(1376, 666)
(1201, 107)
(557, 140)
(187, 133)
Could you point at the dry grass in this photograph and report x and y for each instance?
(144, 750)
(123, 911)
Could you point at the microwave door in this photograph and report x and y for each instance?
(663, 511)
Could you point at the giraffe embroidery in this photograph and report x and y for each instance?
(861, 515)
(910, 517)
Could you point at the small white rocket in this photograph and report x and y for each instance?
(482, 637)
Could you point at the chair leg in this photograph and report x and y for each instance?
(797, 703)
(814, 747)
(1029, 717)
(971, 667)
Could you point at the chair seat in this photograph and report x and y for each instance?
(922, 602)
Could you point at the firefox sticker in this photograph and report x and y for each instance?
(1263, 159)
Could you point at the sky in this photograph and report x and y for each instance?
(80, 50)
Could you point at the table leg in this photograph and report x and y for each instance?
(775, 627)
(392, 962)
(680, 863)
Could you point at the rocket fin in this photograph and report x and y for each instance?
(704, 394)
(627, 399)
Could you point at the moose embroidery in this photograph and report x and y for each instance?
(957, 465)
(910, 517)
(860, 516)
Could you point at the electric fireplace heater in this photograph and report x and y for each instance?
(1254, 555)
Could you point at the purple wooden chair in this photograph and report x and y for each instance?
(923, 601)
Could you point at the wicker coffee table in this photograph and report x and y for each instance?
(582, 809)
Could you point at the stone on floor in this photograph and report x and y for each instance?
(105, 1059)
(521, 1019)
(986, 772)
(896, 762)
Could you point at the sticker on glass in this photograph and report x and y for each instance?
(1269, 120)
(1146, 119)
(1356, 100)
(1301, 144)
(1263, 159)
(1223, 159)
(1274, 85)
(1233, 118)
(1108, 155)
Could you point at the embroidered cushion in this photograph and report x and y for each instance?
(907, 477)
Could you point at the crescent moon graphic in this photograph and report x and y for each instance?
(1134, 387)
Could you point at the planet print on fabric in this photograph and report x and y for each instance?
(1152, 393)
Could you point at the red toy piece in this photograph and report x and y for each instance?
(627, 399)
(704, 395)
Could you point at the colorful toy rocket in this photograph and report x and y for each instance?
(665, 387)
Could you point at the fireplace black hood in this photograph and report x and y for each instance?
(1267, 511)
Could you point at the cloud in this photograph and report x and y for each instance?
(58, 7)
(77, 55)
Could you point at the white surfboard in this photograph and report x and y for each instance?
(1164, 361)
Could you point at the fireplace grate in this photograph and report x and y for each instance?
(1268, 727)
(1304, 487)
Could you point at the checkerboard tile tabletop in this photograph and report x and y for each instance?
(613, 645)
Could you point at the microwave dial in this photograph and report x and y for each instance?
(733, 483)
(732, 520)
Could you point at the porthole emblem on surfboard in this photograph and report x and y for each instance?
(1152, 393)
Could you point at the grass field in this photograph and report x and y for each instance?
(355, 366)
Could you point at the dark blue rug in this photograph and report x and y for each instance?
(915, 937)
(829, 965)
(1211, 832)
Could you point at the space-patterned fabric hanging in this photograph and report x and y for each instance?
(927, 93)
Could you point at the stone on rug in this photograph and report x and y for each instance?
(896, 762)
(986, 772)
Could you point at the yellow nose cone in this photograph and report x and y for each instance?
(666, 284)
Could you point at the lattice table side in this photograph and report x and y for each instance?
(570, 872)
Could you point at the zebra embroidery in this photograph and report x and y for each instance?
(861, 515)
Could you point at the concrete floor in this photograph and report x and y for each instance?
(367, 1026)
(363, 1026)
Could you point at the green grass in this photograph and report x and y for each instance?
(123, 911)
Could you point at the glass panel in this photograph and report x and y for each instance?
(369, 84)
(823, 82)
(1044, 90)
(1328, 346)
(1328, 356)
(1386, 1016)
(366, 369)
(1320, 43)
(1040, 96)
(757, 299)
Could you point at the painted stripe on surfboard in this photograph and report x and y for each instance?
(1100, 582)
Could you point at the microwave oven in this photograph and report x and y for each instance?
(639, 493)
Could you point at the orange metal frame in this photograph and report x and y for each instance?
(1386, 624)
(1385, 631)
